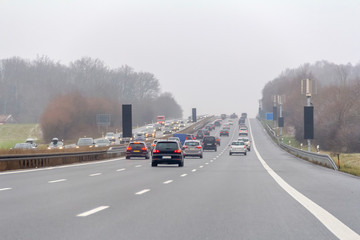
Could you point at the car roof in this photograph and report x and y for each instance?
(192, 141)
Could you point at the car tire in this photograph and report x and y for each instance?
(230, 153)
(154, 164)
(181, 164)
(201, 156)
(245, 154)
(215, 149)
(147, 157)
(127, 157)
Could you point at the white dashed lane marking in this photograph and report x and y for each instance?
(194, 170)
(142, 192)
(201, 166)
(121, 169)
(5, 189)
(95, 174)
(95, 210)
(138, 166)
(56, 181)
(167, 182)
(183, 175)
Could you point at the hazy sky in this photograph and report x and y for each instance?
(213, 55)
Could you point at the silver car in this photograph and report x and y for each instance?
(246, 141)
(238, 147)
(102, 142)
(192, 148)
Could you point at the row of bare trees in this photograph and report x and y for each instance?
(336, 103)
(56, 94)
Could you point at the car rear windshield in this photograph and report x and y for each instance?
(163, 146)
(237, 143)
(209, 139)
(192, 143)
(137, 145)
(85, 141)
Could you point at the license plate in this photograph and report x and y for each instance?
(209, 144)
(192, 149)
(166, 157)
(136, 150)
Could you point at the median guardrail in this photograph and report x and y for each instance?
(13, 162)
(37, 160)
(321, 159)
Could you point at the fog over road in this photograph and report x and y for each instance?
(217, 197)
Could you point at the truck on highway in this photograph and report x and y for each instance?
(160, 120)
(181, 136)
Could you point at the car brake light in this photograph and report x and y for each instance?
(177, 151)
(144, 149)
(156, 151)
(128, 149)
(198, 147)
(185, 147)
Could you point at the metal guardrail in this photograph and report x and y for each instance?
(12, 162)
(321, 159)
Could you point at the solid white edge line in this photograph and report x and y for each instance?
(5, 189)
(95, 210)
(142, 192)
(56, 181)
(168, 181)
(338, 228)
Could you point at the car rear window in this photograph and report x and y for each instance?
(137, 145)
(237, 143)
(192, 143)
(163, 146)
(85, 141)
(209, 139)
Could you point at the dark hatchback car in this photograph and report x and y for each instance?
(224, 132)
(167, 152)
(209, 143)
(137, 149)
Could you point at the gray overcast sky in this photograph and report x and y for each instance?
(213, 55)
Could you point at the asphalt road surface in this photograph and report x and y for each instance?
(267, 194)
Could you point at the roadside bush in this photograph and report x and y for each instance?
(71, 116)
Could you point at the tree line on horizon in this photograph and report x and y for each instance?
(336, 101)
(66, 98)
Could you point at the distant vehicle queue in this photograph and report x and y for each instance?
(176, 148)
(172, 150)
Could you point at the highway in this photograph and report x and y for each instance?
(267, 194)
